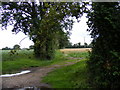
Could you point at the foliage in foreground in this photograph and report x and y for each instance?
(104, 63)
(73, 76)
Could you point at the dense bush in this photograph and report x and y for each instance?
(104, 63)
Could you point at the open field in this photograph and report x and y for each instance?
(75, 50)
(25, 59)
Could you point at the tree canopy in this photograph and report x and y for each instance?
(104, 63)
(16, 47)
(42, 21)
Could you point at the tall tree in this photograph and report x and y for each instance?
(16, 47)
(104, 63)
(41, 21)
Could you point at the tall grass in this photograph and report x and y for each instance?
(78, 54)
(74, 76)
(8, 56)
(24, 59)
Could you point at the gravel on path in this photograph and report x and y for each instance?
(32, 79)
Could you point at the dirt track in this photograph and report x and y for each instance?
(32, 79)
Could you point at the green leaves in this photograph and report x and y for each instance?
(104, 25)
(43, 22)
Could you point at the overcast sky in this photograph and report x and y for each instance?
(79, 34)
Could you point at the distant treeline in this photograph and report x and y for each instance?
(7, 48)
(78, 45)
(82, 46)
(69, 45)
(17, 47)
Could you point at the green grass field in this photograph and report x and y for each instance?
(25, 59)
(73, 76)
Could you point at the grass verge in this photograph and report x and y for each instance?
(73, 76)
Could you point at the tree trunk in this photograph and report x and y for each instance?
(39, 51)
(45, 51)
